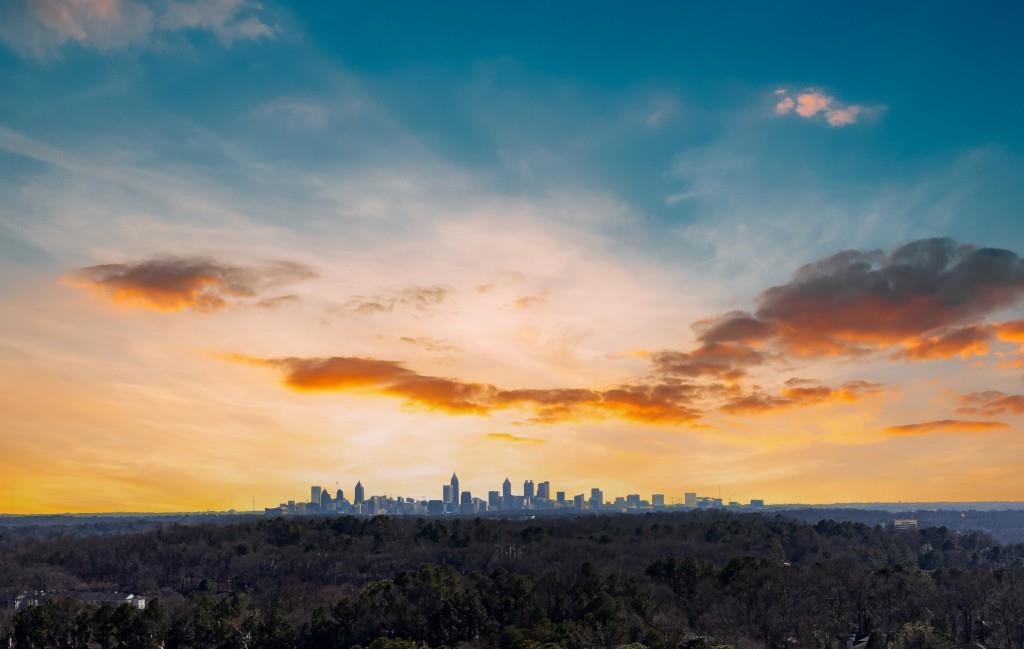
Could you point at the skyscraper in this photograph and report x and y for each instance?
(314, 495)
(528, 489)
(596, 498)
(446, 494)
(493, 500)
(560, 496)
(544, 490)
(360, 493)
(340, 496)
(455, 489)
(506, 488)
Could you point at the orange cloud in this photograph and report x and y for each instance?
(927, 297)
(1011, 332)
(964, 342)
(180, 283)
(654, 403)
(946, 426)
(798, 393)
(722, 360)
(991, 403)
(515, 439)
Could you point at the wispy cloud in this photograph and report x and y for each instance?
(514, 439)
(41, 28)
(194, 283)
(946, 426)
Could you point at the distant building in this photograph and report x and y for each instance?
(757, 502)
(435, 507)
(596, 498)
(455, 489)
(493, 500)
(633, 500)
(528, 489)
(339, 496)
(544, 490)
(360, 494)
(577, 501)
(560, 497)
(658, 500)
(446, 493)
(691, 498)
(314, 495)
(466, 503)
(905, 523)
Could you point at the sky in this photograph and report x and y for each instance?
(748, 250)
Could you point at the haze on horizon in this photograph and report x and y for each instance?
(249, 247)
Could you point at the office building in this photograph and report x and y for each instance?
(544, 490)
(658, 500)
(528, 489)
(506, 491)
(596, 498)
(560, 497)
(455, 488)
(360, 494)
(577, 501)
(757, 503)
(493, 500)
(314, 495)
(446, 493)
(690, 499)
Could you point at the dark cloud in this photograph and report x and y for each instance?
(728, 361)
(929, 298)
(855, 299)
(178, 283)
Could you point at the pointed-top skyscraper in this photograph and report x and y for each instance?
(455, 488)
(506, 488)
(360, 493)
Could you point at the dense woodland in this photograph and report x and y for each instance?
(692, 580)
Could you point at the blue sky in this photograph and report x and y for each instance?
(614, 173)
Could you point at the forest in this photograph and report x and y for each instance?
(696, 580)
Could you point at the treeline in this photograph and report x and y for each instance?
(691, 581)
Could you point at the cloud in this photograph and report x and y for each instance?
(515, 439)
(990, 403)
(798, 393)
(967, 341)
(420, 298)
(716, 359)
(654, 403)
(926, 297)
(814, 104)
(946, 426)
(195, 283)
(41, 28)
(1011, 332)
(529, 301)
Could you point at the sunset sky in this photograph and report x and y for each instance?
(744, 250)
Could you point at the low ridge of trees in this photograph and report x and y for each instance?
(684, 581)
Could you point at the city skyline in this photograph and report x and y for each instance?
(245, 246)
(535, 497)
